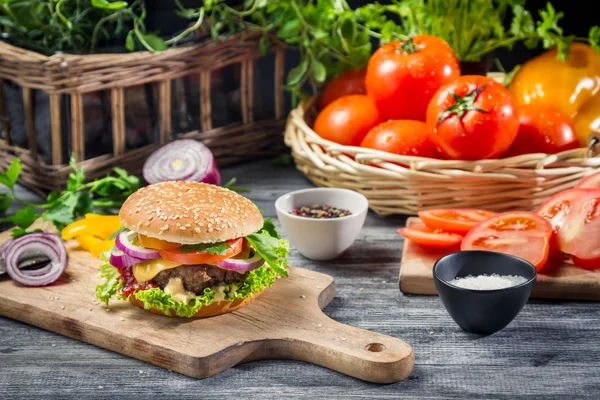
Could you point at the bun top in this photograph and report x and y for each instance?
(190, 212)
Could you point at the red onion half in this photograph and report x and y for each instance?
(182, 160)
(46, 244)
(240, 265)
(124, 244)
(121, 260)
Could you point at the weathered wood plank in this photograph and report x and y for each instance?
(551, 350)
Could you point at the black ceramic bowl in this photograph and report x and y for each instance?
(482, 311)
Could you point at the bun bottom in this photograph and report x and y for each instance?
(211, 310)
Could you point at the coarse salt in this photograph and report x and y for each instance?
(488, 282)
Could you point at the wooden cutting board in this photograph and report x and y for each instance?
(564, 282)
(286, 322)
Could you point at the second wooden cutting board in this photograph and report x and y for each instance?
(286, 322)
(565, 282)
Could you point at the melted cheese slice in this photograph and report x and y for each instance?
(147, 270)
(177, 291)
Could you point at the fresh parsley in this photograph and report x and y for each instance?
(210, 248)
(230, 184)
(103, 195)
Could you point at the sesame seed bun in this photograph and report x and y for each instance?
(190, 212)
(210, 310)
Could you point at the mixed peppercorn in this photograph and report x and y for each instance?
(320, 211)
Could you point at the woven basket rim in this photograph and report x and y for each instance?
(365, 156)
(21, 51)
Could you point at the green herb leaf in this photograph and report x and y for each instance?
(264, 45)
(130, 41)
(282, 160)
(10, 177)
(290, 29)
(230, 184)
(18, 232)
(210, 248)
(107, 5)
(5, 202)
(594, 38)
(23, 218)
(297, 74)
(269, 226)
(157, 43)
(319, 71)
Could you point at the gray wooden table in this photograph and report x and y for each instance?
(551, 350)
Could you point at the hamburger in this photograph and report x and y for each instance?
(191, 249)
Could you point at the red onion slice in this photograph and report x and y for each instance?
(121, 260)
(124, 244)
(241, 265)
(46, 244)
(182, 160)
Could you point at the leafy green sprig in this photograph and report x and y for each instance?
(105, 195)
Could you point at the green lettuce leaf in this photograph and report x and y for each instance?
(271, 249)
(111, 283)
(257, 280)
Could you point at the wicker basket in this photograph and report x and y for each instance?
(396, 184)
(66, 79)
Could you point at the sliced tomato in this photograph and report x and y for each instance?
(575, 217)
(589, 182)
(201, 257)
(520, 233)
(430, 237)
(153, 243)
(455, 220)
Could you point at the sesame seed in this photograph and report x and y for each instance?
(62, 307)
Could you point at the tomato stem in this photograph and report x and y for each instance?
(463, 104)
(408, 46)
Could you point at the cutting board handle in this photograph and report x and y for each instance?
(320, 340)
(363, 354)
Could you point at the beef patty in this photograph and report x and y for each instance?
(197, 277)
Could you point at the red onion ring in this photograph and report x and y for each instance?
(120, 260)
(47, 244)
(124, 244)
(239, 265)
(182, 160)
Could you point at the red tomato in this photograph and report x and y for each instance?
(589, 182)
(406, 137)
(520, 233)
(347, 120)
(350, 82)
(473, 118)
(428, 237)
(200, 257)
(455, 220)
(403, 76)
(543, 129)
(575, 216)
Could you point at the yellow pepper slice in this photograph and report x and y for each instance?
(93, 244)
(102, 227)
(87, 241)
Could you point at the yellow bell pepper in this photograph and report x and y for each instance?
(102, 227)
(573, 86)
(93, 244)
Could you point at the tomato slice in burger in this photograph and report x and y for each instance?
(455, 220)
(575, 217)
(589, 182)
(522, 234)
(201, 257)
(430, 237)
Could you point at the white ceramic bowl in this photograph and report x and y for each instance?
(327, 238)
